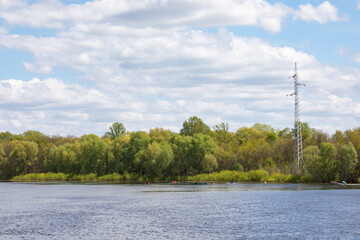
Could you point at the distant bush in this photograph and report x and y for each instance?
(307, 178)
(42, 177)
(258, 175)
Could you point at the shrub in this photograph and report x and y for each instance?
(258, 175)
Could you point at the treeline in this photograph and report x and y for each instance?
(197, 149)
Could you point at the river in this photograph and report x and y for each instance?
(174, 211)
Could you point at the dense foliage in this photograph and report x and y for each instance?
(196, 152)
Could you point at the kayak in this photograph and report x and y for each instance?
(338, 183)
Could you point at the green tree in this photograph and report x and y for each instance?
(116, 130)
(94, 155)
(193, 126)
(262, 151)
(312, 161)
(209, 163)
(158, 159)
(285, 133)
(245, 154)
(160, 135)
(119, 149)
(17, 161)
(353, 136)
(263, 128)
(317, 138)
(226, 157)
(283, 154)
(163, 160)
(222, 134)
(135, 155)
(246, 134)
(181, 148)
(271, 137)
(3, 162)
(349, 162)
(328, 165)
(7, 136)
(31, 150)
(200, 146)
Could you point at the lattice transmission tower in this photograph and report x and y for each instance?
(298, 146)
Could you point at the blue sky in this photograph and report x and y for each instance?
(75, 67)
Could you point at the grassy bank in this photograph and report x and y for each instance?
(223, 176)
(253, 176)
(70, 177)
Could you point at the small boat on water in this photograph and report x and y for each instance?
(338, 183)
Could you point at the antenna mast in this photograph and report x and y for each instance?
(298, 146)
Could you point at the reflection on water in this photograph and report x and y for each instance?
(165, 211)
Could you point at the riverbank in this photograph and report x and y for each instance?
(222, 176)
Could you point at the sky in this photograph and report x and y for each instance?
(76, 67)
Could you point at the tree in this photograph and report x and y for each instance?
(246, 134)
(262, 151)
(116, 130)
(135, 154)
(158, 158)
(263, 128)
(9, 137)
(328, 165)
(285, 133)
(3, 162)
(17, 161)
(200, 146)
(93, 155)
(349, 161)
(160, 135)
(353, 136)
(283, 154)
(209, 163)
(306, 131)
(193, 126)
(312, 161)
(271, 137)
(163, 159)
(226, 157)
(222, 134)
(119, 148)
(181, 147)
(31, 150)
(318, 137)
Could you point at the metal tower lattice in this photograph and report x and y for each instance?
(298, 146)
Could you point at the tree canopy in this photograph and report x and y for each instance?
(196, 149)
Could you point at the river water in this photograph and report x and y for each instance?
(165, 211)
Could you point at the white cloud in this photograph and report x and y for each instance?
(48, 92)
(325, 12)
(48, 103)
(357, 57)
(157, 80)
(341, 50)
(37, 69)
(3, 31)
(140, 13)
(162, 14)
(145, 66)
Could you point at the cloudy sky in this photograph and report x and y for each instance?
(75, 67)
